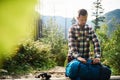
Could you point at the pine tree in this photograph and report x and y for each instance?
(73, 20)
(97, 12)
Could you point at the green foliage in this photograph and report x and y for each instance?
(110, 47)
(102, 36)
(61, 56)
(112, 51)
(53, 35)
(29, 56)
(98, 11)
(16, 24)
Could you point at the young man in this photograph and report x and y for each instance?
(80, 35)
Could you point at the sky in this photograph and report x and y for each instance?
(69, 8)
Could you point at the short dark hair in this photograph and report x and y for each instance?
(82, 12)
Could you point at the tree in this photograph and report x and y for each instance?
(112, 51)
(98, 11)
(54, 36)
(73, 20)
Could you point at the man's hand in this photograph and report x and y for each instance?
(82, 59)
(96, 60)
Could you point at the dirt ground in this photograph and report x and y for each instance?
(56, 73)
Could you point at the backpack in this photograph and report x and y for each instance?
(87, 71)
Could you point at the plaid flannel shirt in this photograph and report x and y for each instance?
(79, 42)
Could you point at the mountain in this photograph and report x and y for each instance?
(112, 18)
(63, 22)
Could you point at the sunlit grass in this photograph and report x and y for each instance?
(16, 23)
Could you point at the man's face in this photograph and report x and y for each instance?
(82, 20)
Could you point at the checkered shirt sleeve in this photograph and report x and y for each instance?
(97, 49)
(72, 43)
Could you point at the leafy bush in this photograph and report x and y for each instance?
(30, 56)
(61, 56)
(103, 38)
(110, 48)
(112, 51)
(54, 36)
(16, 24)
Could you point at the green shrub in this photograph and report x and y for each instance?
(112, 51)
(16, 24)
(30, 56)
(61, 56)
(110, 48)
(53, 35)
